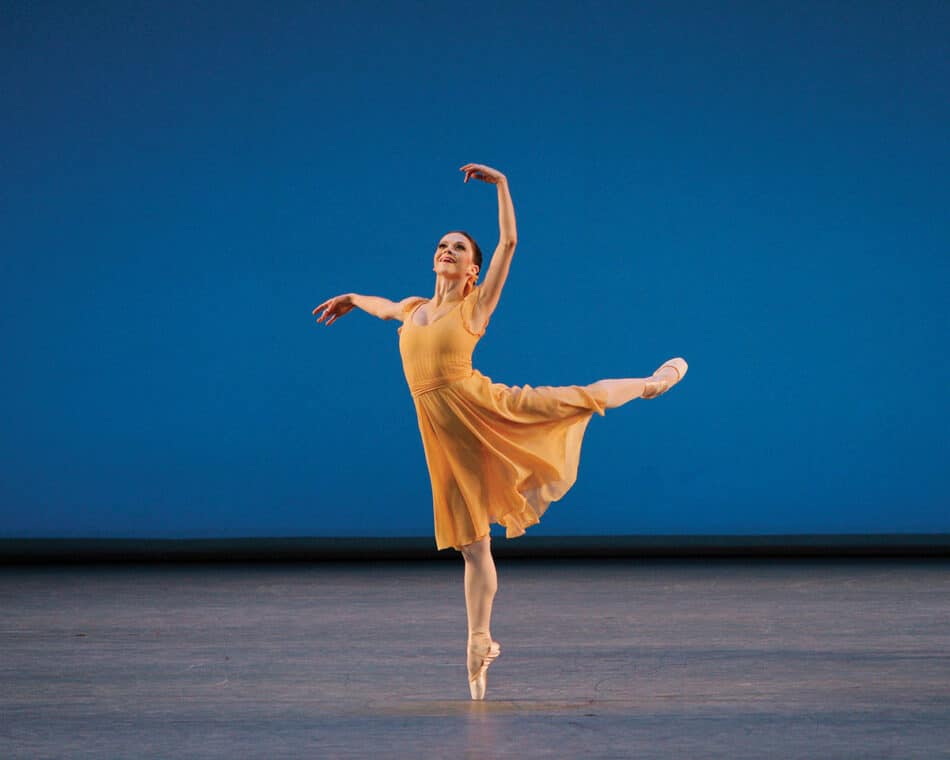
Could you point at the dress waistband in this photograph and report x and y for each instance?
(425, 386)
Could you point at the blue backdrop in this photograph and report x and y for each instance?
(759, 188)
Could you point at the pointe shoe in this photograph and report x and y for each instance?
(479, 658)
(658, 384)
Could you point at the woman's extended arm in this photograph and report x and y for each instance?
(376, 305)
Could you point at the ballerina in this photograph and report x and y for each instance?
(495, 453)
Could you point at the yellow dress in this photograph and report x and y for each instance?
(495, 453)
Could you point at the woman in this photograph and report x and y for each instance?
(495, 453)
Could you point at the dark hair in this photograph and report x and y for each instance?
(477, 252)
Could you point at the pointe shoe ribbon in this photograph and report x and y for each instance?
(481, 657)
(658, 384)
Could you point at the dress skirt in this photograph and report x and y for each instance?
(500, 454)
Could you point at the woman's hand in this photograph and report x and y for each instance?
(484, 173)
(336, 307)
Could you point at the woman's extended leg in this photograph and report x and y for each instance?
(481, 583)
(622, 390)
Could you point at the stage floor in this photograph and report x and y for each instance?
(798, 658)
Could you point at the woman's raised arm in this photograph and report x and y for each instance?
(507, 239)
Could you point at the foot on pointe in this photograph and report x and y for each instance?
(666, 376)
(482, 652)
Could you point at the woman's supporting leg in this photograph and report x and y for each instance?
(481, 583)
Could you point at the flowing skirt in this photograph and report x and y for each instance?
(500, 454)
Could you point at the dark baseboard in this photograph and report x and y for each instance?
(84, 550)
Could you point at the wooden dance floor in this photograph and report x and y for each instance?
(797, 658)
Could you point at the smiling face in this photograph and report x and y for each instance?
(454, 257)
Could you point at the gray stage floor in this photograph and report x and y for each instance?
(804, 658)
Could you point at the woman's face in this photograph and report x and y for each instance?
(453, 257)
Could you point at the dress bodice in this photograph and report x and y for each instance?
(441, 351)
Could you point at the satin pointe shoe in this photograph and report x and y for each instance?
(482, 652)
(663, 379)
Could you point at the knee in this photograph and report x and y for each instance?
(477, 551)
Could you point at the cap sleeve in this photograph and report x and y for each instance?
(411, 304)
(468, 310)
